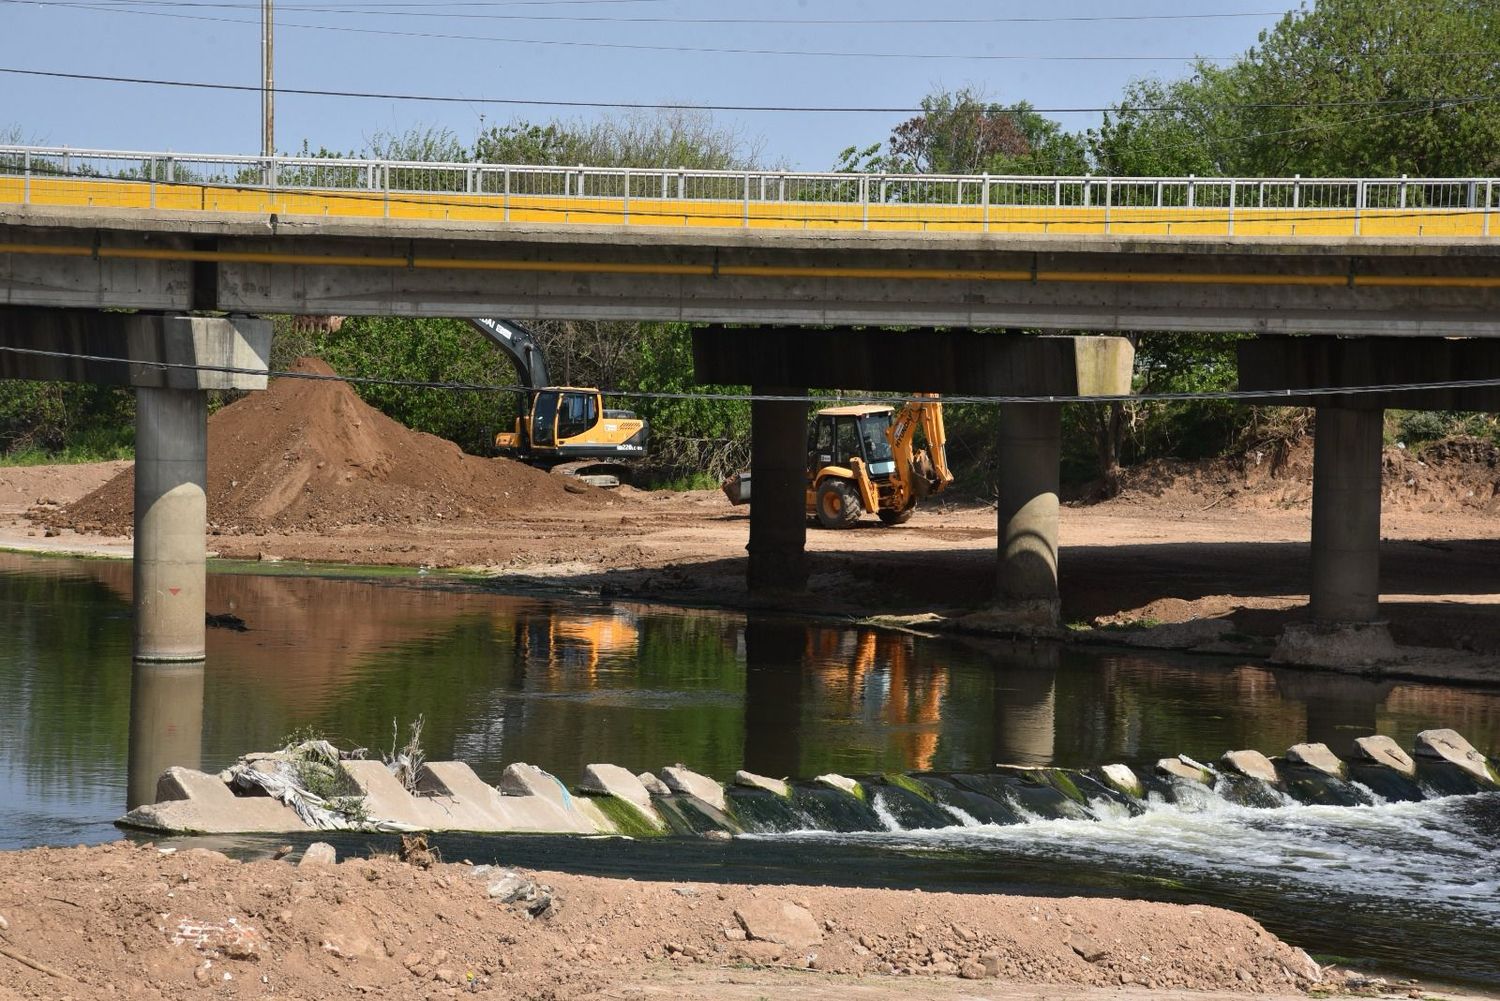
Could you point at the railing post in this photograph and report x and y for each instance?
(1109, 200)
(1401, 200)
(26, 183)
(1296, 191)
(864, 202)
(1489, 200)
(151, 182)
(385, 187)
(505, 195)
(1192, 194)
(627, 197)
(984, 199)
(1359, 204)
(1088, 190)
(681, 183)
(1231, 205)
(746, 219)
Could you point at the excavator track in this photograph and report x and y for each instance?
(594, 472)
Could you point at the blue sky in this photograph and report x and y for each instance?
(113, 37)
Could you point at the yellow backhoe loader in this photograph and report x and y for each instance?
(566, 429)
(864, 459)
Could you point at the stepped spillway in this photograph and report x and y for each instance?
(314, 787)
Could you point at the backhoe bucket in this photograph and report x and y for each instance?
(737, 488)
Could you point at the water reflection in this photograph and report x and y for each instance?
(502, 678)
(166, 724)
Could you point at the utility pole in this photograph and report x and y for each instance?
(268, 83)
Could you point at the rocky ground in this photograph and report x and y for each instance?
(124, 920)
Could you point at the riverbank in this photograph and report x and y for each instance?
(128, 920)
(1134, 570)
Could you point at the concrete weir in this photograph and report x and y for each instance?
(450, 796)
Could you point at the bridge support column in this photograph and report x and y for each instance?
(1029, 455)
(778, 508)
(1346, 516)
(171, 520)
(160, 357)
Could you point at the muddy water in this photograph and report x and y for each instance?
(561, 683)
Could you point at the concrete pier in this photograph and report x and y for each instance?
(157, 356)
(171, 520)
(778, 511)
(1346, 516)
(1029, 453)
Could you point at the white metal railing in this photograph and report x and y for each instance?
(931, 191)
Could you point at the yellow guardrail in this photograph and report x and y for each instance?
(107, 194)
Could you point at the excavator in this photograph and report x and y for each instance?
(863, 459)
(566, 429)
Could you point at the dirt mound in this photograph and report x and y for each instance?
(309, 455)
(119, 920)
(1445, 476)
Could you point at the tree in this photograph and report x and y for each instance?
(959, 132)
(1343, 88)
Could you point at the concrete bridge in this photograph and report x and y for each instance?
(1411, 264)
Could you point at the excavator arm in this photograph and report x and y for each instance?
(520, 345)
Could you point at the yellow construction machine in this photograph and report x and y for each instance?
(864, 459)
(566, 429)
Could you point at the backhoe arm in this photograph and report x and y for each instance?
(927, 472)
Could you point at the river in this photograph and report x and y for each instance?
(562, 682)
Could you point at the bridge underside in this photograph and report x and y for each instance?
(157, 261)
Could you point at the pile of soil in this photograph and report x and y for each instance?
(310, 455)
(124, 920)
(1456, 475)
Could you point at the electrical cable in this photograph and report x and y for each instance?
(1257, 396)
(387, 9)
(645, 47)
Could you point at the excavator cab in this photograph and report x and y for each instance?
(564, 428)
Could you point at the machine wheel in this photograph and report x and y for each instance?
(838, 504)
(899, 517)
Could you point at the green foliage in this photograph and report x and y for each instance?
(64, 422)
(1301, 100)
(669, 138)
(1414, 427)
(960, 132)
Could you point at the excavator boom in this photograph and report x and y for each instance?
(520, 345)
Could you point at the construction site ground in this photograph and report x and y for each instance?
(137, 921)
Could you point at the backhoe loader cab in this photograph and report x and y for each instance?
(862, 459)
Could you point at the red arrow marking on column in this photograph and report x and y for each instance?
(174, 590)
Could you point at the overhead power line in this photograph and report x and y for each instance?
(1420, 103)
(380, 8)
(1245, 395)
(645, 46)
